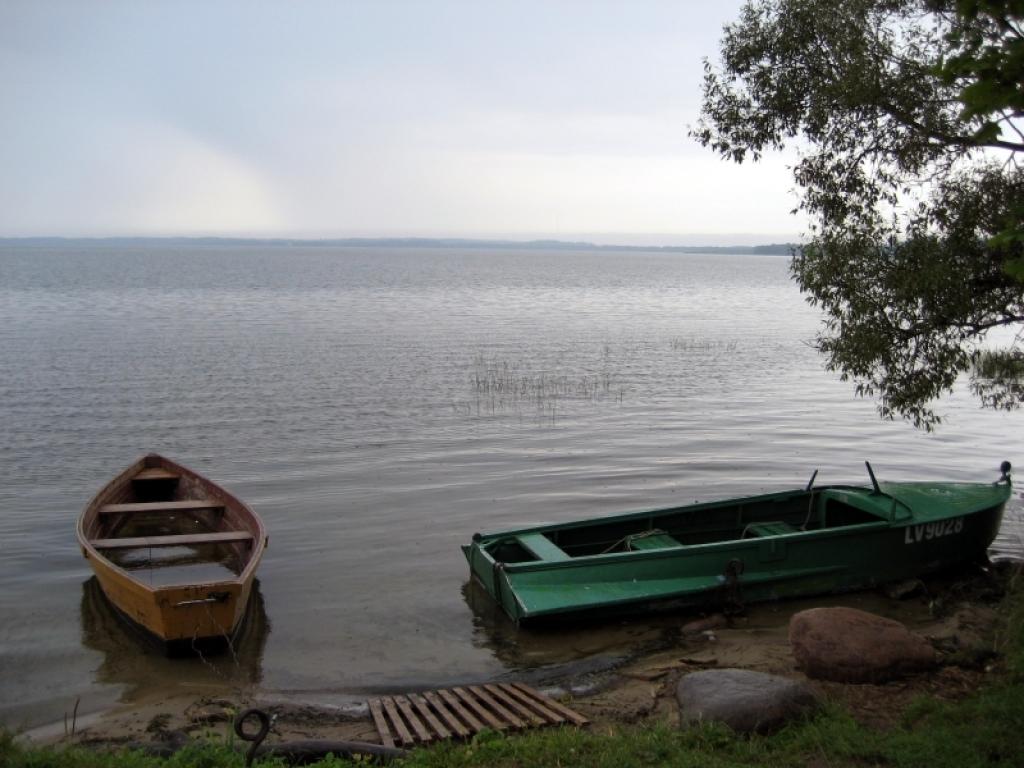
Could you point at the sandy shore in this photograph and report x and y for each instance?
(614, 683)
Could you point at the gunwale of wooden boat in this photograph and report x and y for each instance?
(189, 611)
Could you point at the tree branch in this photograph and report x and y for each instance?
(968, 142)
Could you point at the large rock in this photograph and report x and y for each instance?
(746, 701)
(852, 646)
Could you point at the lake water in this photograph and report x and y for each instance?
(376, 407)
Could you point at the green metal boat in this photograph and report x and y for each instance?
(809, 541)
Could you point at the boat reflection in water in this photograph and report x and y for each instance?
(570, 654)
(132, 658)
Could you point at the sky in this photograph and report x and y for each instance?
(563, 119)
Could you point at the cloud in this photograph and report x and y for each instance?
(326, 118)
(130, 177)
(437, 191)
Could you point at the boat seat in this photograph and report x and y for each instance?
(540, 546)
(182, 540)
(650, 540)
(773, 528)
(189, 505)
(156, 473)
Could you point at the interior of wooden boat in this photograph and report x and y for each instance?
(165, 529)
(686, 526)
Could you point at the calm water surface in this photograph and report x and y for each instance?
(377, 407)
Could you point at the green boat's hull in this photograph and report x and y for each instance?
(754, 549)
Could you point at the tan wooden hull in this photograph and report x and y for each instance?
(174, 613)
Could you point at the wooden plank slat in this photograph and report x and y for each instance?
(423, 708)
(486, 698)
(187, 505)
(509, 701)
(404, 736)
(423, 718)
(156, 473)
(377, 711)
(181, 540)
(480, 710)
(406, 709)
(443, 711)
(467, 717)
(572, 715)
(534, 705)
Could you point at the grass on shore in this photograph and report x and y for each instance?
(984, 730)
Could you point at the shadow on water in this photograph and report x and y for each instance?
(133, 659)
(573, 652)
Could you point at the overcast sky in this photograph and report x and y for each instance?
(318, 119)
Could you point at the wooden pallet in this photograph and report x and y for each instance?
(421, 718)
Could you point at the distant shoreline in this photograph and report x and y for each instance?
(404, 242)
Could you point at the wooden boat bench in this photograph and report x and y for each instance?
(190, 505)
(181, 540)
(540, 546)
(155, 473)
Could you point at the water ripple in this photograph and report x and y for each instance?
(378, 407)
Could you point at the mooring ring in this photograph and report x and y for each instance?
(256, 738)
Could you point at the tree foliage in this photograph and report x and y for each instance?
(907, 116)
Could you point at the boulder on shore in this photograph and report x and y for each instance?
(851, 646)
(744, 700)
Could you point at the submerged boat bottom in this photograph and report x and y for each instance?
(180, 565)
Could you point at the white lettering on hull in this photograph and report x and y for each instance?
(915, 534)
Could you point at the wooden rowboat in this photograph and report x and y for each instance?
(808, 541)
(174, 552)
